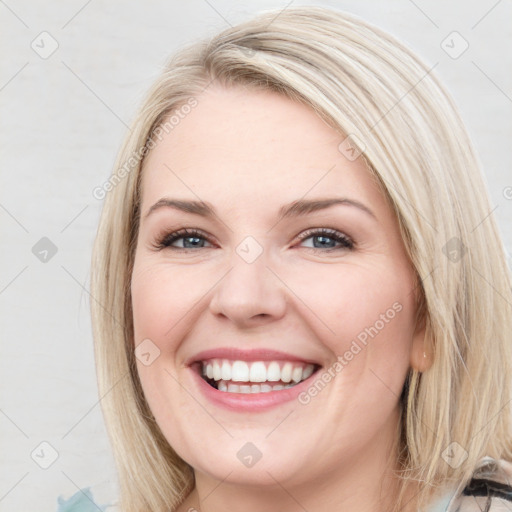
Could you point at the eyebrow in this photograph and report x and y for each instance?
(294, 209)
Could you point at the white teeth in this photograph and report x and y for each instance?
(258, 372)
(246, 389)
(307, 372)
(240, 371)
(226, 373)
(297, 374)
(273, 372)
(217, 375)
(233, 388)
(286, 372)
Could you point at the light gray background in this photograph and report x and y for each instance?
(62, 121)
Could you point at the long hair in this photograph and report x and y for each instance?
(393, 110)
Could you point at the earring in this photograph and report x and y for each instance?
(424, 355)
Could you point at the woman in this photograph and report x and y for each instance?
(300, 299)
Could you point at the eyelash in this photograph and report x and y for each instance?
(166, 240)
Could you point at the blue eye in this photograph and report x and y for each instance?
(327, 238)
(191, 239)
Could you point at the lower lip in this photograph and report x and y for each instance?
(250, 402)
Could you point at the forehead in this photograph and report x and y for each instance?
(242, 146)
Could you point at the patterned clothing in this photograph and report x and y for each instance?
(490, 490)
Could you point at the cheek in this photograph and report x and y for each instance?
(364, 315)
(346, 299)
(157, 309)
(161, 301)
(371, 314)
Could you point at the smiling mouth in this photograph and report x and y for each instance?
(236, 376)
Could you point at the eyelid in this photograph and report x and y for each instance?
(335, 234)
(165, 239)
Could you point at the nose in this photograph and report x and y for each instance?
(249, 294)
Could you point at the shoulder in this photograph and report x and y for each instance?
(489, 490)
(82, 501)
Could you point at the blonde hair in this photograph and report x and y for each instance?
(367, 85)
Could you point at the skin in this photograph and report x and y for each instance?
(249, 152)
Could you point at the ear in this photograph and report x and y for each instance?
(421, 350)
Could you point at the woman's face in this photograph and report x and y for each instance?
(291, 263)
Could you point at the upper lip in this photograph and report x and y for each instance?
(237, 354)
